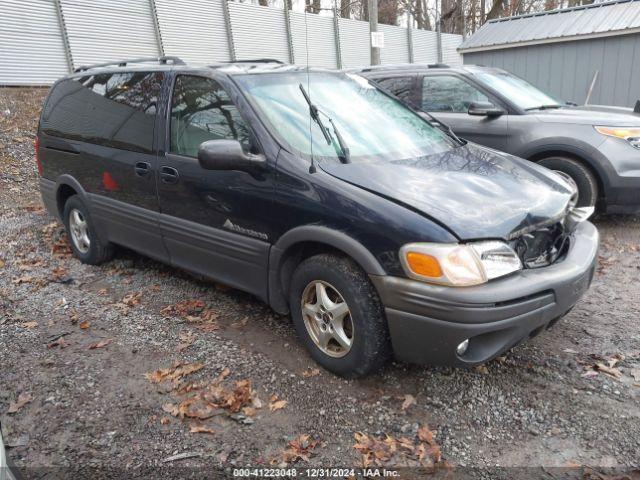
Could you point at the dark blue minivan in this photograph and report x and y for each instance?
(381, 233)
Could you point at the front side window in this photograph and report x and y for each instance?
(201, 110)
(519, 91)
(373, 125)
(445, 93)
(112, 109)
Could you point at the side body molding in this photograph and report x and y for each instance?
(278, 291)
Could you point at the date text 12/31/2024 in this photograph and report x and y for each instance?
(314, 472)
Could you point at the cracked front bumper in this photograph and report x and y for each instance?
(427, 322)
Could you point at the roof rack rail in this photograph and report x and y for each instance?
(256, 60)
(124, 63)
(438, 65)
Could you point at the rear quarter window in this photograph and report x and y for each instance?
(401, 87)
(113, 109)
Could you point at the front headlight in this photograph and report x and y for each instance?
(630, 134)
(459, 265)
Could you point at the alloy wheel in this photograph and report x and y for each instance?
(327, 318)
(79, 231)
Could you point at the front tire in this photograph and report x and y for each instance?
(580, 174)
(338, 316)
(85, 243)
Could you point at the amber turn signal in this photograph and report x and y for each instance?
(423, 264)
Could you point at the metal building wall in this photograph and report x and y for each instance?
(396, 45)
(205, 43)
(425, 46)
(104, 30)
(31, 46)
(41, 40)
(354, 43)
(566, 69)
(259, 32)
(320, 40)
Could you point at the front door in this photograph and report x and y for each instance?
(447, 98)
(214, 222)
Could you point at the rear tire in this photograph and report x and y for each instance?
(363, 328)
(581, 175)
(85, 243)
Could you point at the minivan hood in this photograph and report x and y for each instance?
(591, 115)
(474, 191)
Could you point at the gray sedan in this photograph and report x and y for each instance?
(596, 147)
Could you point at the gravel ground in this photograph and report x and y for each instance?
(545, 405)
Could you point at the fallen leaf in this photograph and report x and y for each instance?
(174, 373)
(100, 344)
(612, 372)
(277, 405)
(240, 323)
(29, 325)
(171, 409)
(165, 420)
(23, 399)
(84, 325)
(311, 372)
(482, 369)
(201, 429)
(635, 373)
(408, 401)
(60, 342)
(2, 264)
(300, 448)
(186, 340)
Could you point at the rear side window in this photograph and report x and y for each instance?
(115, 109)
(449, 94)
(401, 87)
(201, 110)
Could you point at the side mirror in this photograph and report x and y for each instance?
(227, 155)
(485, 109)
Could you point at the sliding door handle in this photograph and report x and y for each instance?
(169, 175)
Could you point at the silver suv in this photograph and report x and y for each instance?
(598, 147)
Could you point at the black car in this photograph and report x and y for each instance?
(322, 195)
(595, 147)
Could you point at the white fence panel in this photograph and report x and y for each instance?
(258, 32)
(354, 41)
(320, 39)
(193, 30)
(450, 44)
(425, 46)
(31, 47)
(107, 30)
(396, 45)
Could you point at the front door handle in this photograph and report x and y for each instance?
(142, 168)
(169, 175)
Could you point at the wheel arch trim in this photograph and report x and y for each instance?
(320, 235)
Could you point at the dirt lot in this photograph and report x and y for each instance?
(82, 348)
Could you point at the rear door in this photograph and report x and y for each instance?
(214, 222)
(448, 96)
(100, 129)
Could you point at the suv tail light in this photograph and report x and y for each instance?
(38, 156)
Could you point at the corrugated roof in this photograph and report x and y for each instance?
(598, 19)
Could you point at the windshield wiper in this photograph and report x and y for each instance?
(315, 112)
(543, 107)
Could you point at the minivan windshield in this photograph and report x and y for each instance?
(372, 124)
(519, 91)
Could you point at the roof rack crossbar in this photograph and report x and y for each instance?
(257, 60)
(123, 63)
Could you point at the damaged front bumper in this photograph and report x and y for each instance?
(427, 322)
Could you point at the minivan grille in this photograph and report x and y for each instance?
(542, 247)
